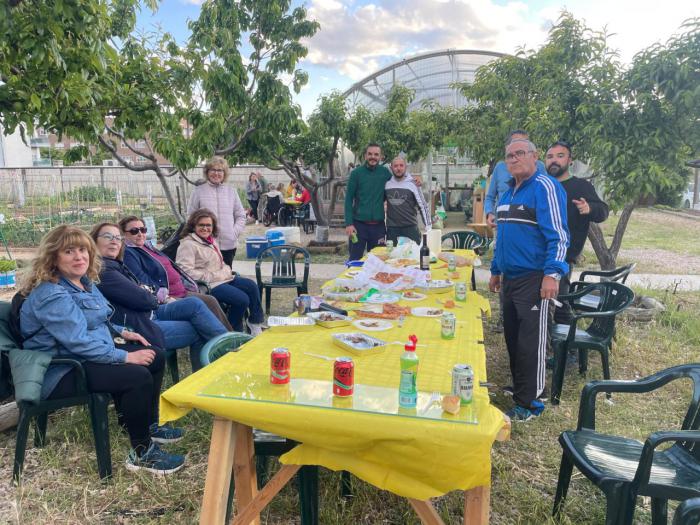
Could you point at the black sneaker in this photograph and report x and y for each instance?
(155, 460)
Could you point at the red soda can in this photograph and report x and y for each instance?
(343, 377)
(280, 361)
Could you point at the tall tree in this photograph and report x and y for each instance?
(227, 91)
(574, 88)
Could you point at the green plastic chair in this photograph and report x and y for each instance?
(96, 403)
(598, 336)
(625, 468)
(688, 512)
(618, 275)
(284, 273)
(465, 240)
(266, 444)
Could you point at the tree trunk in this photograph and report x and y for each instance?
(170, 198)
(607, 257)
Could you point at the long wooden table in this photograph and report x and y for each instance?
(353, 437)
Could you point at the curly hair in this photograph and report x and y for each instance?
(216, 162)
(193, 219)
(43, 268)
(95, 232)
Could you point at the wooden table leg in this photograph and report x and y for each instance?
(244, 473)
(265, 495)
(477, 503)
(426, 512)
(219, 467)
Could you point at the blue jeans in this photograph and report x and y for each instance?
(188, 322)
(241, 294)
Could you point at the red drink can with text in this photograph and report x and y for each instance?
(343, 377)
(280, 361)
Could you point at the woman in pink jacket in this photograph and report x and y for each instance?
(224, 201)
(199, 255)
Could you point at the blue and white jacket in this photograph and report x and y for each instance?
(532, 231)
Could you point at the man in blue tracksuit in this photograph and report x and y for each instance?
(529, 261)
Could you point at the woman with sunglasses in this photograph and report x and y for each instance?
(224, 201)
(187, 322)
(200, 256)
(153, 268)
(66, 315)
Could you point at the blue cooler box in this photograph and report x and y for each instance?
(274, 238)
(254, 245)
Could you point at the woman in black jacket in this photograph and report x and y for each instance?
(185, 322)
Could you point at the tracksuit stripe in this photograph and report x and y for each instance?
(542, 346)
(555, 214)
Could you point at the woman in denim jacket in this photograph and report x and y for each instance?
(65, 314)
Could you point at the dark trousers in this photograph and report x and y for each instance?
(241, 294)
(135, 389)
(525, 324)
(253, 209)
(228, 255)
(564, 313)
(394, 232)
(368, 236)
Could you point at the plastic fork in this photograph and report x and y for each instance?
(434, 398)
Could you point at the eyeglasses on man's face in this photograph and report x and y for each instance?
(520, 154)
(136, 231)
(109, 237)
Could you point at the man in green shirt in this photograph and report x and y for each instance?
(364, 203)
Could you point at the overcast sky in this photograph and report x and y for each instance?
(357, 37)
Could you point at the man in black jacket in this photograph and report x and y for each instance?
(583, 206)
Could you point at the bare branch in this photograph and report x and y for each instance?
(150, 156)
(235, 145)
(146, 167)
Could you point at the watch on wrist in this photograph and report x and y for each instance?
(555, 276)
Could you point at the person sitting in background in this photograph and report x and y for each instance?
(153, 268)
(200, 256)
(223, 199)
(66, 315)
(302, 194)
(187, 322)
(291, 190)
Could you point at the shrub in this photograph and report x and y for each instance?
(91, 194)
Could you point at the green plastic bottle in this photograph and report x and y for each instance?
(408, 392)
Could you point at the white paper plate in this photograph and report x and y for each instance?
(425, 311)
(381, 325)
(384, 298)
(416, 296)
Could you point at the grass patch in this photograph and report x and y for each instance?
(61, 483)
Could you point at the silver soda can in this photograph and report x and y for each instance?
(448, 324)
(463, 383)
(451, 263)
(461, 292)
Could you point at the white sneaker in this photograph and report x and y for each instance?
(257, 222)
(255, 329)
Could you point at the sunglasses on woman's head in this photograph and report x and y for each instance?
(135, 231)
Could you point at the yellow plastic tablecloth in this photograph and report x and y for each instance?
(416, 458)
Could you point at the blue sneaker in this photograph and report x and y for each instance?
(165, 434)
(155, 460)
(521, 414)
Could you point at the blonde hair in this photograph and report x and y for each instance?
(44, 268)
(216, 162)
